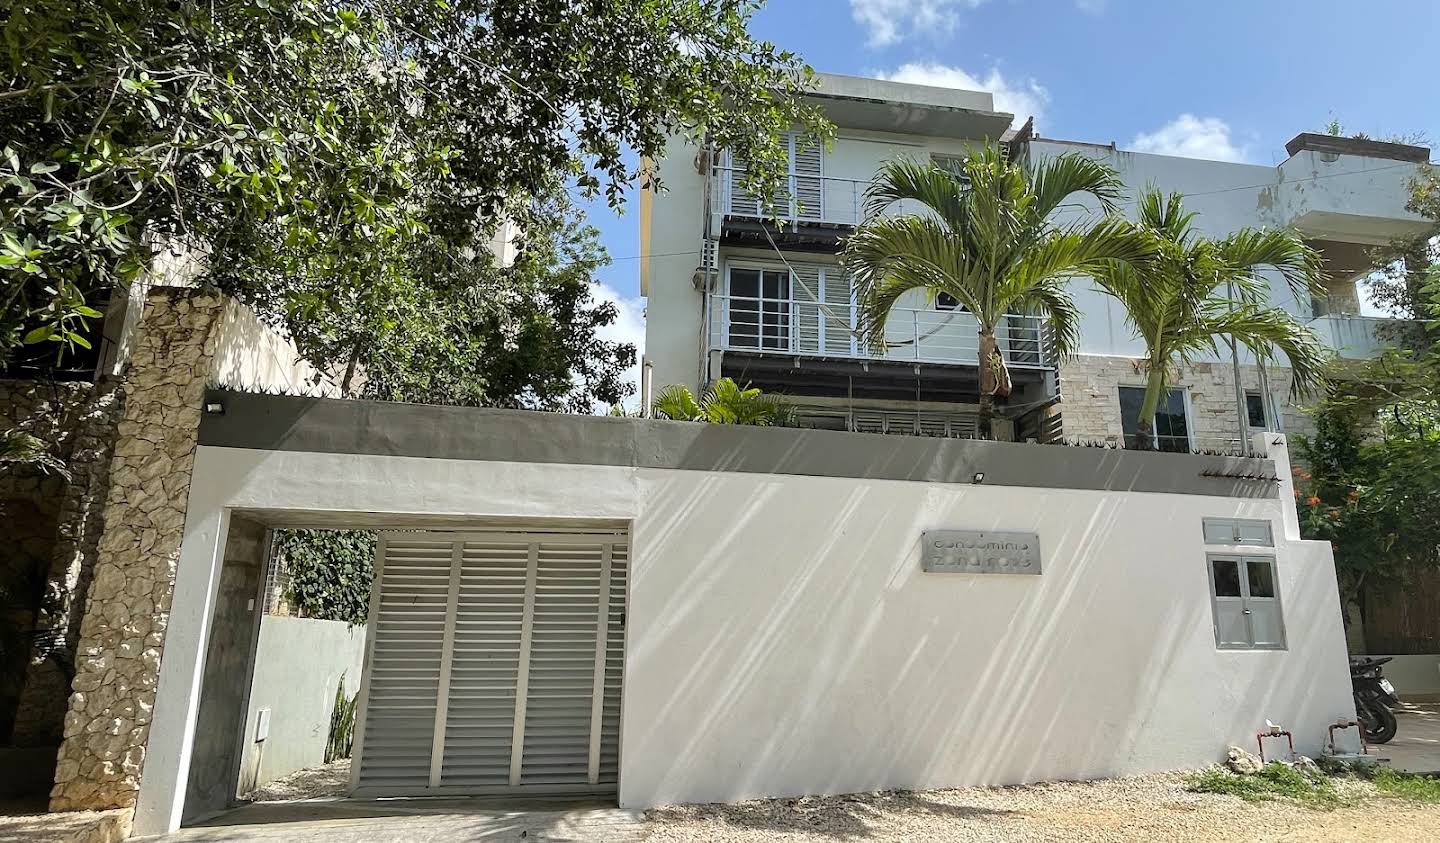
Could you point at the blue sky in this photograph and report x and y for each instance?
(1225, 79)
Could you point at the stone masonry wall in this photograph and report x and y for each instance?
(61, 520)
(1089, 388)
(123, 631)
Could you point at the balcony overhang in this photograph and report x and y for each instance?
(890, 380)
(1364, 147)
(743, 232)
(1348, 190)
(881, 106)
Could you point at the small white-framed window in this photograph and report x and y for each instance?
(759, 305)
(1236, 531)
(1245, 601)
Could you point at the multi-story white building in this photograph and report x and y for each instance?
(730, 295)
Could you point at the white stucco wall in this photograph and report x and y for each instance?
(782, 639)
(251, 355)
(299, 662)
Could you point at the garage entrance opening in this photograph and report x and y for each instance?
(494, 663)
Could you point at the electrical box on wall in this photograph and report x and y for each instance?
(262, 724)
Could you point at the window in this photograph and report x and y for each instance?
(1251, 531)
(1246, 602)
(759, 308)
(951, 163)
(945, 301)
(1172, 428)
(1255, 410)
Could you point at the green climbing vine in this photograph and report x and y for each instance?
(330, 572)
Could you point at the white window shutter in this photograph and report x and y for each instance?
(809, 184)
(404, 666)
(525, 633)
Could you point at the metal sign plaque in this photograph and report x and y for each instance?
(976, 552)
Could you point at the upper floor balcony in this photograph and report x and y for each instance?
(1351, 190)
(815, 211)
(788, 326)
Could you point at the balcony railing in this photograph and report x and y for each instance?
(1357, 337)
(804, 327)
(823, 200)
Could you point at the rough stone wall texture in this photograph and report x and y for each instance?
(122, 633)
(1091, 401)
(61, 521)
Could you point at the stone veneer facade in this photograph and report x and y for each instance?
(1089, 389)
(123, 631)
(54, 528)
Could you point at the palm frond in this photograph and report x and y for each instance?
(1054, 180)
(1265, 330)
(903, 179)
(1299, 265)
(676, 403)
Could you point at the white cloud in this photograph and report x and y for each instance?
(1021, 97)
(1189, 136)
(629, 327)
(890, 20)
(1092, 7)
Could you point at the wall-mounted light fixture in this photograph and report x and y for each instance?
(979, 478)
(215, 408)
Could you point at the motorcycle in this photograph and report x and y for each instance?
(1374, 697)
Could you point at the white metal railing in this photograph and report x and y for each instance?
(804, 327)
(810, 199)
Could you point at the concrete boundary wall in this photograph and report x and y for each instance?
(782, 638)
(298, 664)
(1416, 677)
(287, 423)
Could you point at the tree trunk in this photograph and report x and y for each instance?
(1145, 425)
(350, 371)
(985, 418)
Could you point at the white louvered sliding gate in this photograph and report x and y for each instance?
(525, 633)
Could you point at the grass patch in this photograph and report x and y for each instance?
(1406, 785)
(1275, 781)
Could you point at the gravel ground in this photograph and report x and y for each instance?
(1149, 808)
(329, 781)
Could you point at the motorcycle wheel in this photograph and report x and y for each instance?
(1378, 721)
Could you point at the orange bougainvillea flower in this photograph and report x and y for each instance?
(1312, 501)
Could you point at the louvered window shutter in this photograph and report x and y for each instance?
(408, 629)
(806, 294)
(809, 184)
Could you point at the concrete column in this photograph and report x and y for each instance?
(1275, 447)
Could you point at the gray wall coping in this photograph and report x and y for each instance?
(336, 426)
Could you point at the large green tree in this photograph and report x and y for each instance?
(1194, 292)
(989, 236)
(338, 164)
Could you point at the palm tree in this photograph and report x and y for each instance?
(723, 403)
(986, 237)
(1195, 290)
